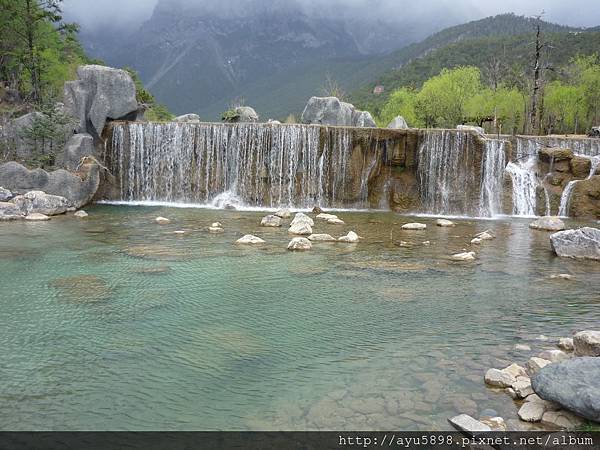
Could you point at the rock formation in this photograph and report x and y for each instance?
(582, 243)
(332, 111)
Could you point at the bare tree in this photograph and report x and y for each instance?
(538, 73)
(331, 88)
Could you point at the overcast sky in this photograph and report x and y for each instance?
(91, 14)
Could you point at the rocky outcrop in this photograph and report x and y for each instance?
(39, 202)
(582, 243)
(78, 188)
(5, 195)
(398, 123)
(573, 385)
(100, 94)
(332, 111)
(78, 147)
(190, 118)
(241, 114)
(478, 130)
(585, 198)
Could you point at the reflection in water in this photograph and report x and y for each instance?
(117, 323)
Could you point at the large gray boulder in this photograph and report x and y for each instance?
(10, 211)
(38, 202)
(587, 343)
(332, 111)
(398, 123)
(78, 189)
(100, 93)
(241, 114)
(76, 148)
(16, 133)
(582, 243)
(573, 384)
(5, 194)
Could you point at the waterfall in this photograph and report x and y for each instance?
(565, 198)
(492, 176)
(243, 164)
(449, 181)
(524, 185)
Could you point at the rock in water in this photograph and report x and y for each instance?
(299, 244)
(464, 422)
(321, 237)
(573, 384)
(566, 344)
(466, 256)
(536, 364)
(554, 355)
(587, 343)
(325, 216)
(414, 226)
(270, 221)
(98, 94)
(336, 221)
(80, 214)
(302, 218)
(10, 211)
(283, 213)
(5, 195)
(499, 378)
(42, 203)
(532, 411)
(331, 111)
(582, 243)
(300, 228)
(162, 220)
(548, 223)
(398, 123)
(250, 239)
(37, 217)
(444, 223)
(350, 237)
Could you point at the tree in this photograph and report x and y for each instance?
(442, 100)
(401, 103)
(33, 38)
(538, 70)
(331, 88)
(503, 106)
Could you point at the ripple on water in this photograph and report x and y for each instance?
(159, 252)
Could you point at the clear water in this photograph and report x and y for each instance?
(117, 323)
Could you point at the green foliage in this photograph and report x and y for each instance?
(503, 106)
(401, 103)
(158, 113)
(442, 100)
(231, 115)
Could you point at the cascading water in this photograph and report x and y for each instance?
(524, 185)
(448, 179)
(251, 164)
(565, 199)
(492, 176)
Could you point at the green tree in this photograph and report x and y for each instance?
(503, 108)
(30, 29)
(564, 107)
(401, 103)
(443, 98)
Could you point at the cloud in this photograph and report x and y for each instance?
(97, 14)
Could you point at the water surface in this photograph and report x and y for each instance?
(117, 323)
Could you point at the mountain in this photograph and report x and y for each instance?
(274, 57)
(459, 45)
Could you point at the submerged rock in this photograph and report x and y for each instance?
(414, 226)
(350, 237)
(82, 288)
(573, 384)
(250, 239)
(587, 343)
(299, 244)
(582, 243)
(553, 355)
(444, 223)
(562, 419)
(270, 221)
(548, 223)
(42, 203)
(321, 237)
